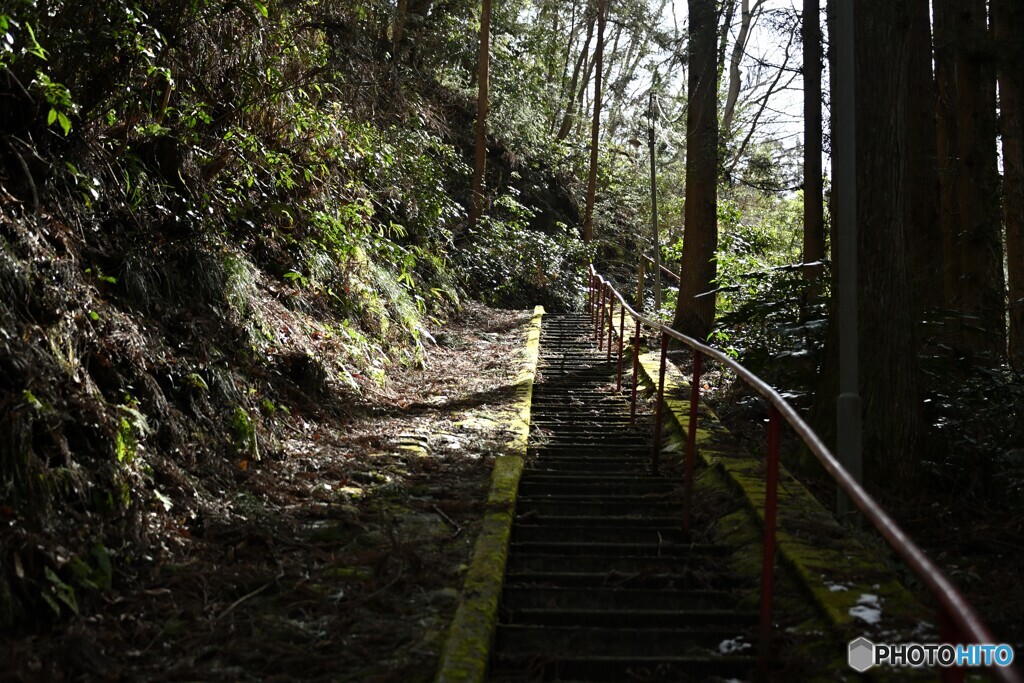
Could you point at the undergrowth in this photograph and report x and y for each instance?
(217, 213)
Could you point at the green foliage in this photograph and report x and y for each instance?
(768, 315)
(776, 323)
(974, 445)
(82, 575)
(507, 264)
(56, 593)
(246, 444)
(767, 312)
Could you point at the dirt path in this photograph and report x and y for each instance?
(340, 558)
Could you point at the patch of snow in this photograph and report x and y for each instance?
(867, 609)
(731, 645)
(836, 587)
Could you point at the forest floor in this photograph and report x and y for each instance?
(340, 559)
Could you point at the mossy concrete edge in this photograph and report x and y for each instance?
(468, 646)
(838, 571)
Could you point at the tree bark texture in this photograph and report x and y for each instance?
(480, 156)
(814, 208)
(889, 378)
(923, 229)
(888, 383)
(695, 314)
(1008, 21)
(971, 220)
(595, 128)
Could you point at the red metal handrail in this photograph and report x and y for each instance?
(958, 619)
(664, 270)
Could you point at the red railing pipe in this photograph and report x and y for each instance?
(622, 335)
(664, 270)
(966, 623)
(590, 295)
(611, 328)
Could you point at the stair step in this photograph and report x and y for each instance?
(600, 641)
(596, 450)
(679, 578)
(601, 582)
(626, 550)
(633, 486)
(603, 506)
(533, 596)
(728, 621)
(595, 668)
(635, 564)
(641, 521)
(560, 533)
(611, 466)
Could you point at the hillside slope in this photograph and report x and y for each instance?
(221, 221)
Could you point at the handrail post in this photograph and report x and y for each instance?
(691, 441)
(636, 374)
(768, 562)
(656, 446)
(622, 334)
(590, 293)
(599, 319)
(611, 328)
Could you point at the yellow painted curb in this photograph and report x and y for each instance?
(467, 649)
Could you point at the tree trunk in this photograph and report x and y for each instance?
(480, 159)
(814, 209)
(946, 145)
(888, 379)
(888, 384)
(570, 107)
(728, 10)
(924, 231)
(972, 241)
(595, 128)
(1008, 20)
(747, 17)
(398, 26)
(695, 314)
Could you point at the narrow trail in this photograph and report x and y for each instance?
(602, 584)
(337, 559)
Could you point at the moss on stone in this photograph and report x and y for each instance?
(467, 649)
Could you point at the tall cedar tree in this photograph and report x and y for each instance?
(814, 210)
(888, 383)
(970, 215)
(595, 130)
(695, 314)
(923, 229)
(1008, 21)
(480, 156)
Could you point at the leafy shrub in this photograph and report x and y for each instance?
(507, 264)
